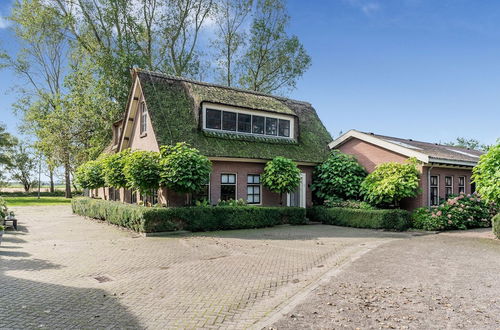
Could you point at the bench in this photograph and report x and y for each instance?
(12, 220)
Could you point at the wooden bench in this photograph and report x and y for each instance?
(12, 220)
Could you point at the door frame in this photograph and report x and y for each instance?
(302, 186)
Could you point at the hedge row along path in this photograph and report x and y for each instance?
(62, 271)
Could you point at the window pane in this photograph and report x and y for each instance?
(229, 121)
(231, 178)
(461, 181)
(461, 190)
(271, 126)
(214, 119)
(447, 180)
(256, 189)
(224, 178)
(244, 123)
(250, 190)
(284, 129)
(227, 192)
(250, 199)
(258, 124)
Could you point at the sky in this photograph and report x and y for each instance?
(422, 69)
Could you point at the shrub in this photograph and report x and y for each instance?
(183, 169)
(281, 175)
(496, 225)
(90, 174)
(340, 175)
(394, 219)
(350, 204)
(233, 202)
(391, 182)
(158, 219)
(486, 174)
(142, 171)
(460, 212)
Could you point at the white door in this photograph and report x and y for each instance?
(298, 197)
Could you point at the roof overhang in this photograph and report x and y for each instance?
(452, 162)
(353, 134)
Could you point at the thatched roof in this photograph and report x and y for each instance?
(174, 105)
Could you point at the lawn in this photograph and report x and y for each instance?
(32, 201)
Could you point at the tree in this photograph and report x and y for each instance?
(230, 39)
(22, 166)
(273, 60)
(183, 169)
(7, 141)
(486, 174)
(142, 171)
(390, 182)
(113, 169)
(281, 175)
(339, 176)
(468, 143)
(90, 175)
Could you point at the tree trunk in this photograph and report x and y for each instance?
(51, 178)
(67, 179)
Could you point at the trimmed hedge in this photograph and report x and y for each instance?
(393, 219)
(496, 225)
(196, 218)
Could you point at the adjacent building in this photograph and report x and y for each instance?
(445, 170)
(239, 130)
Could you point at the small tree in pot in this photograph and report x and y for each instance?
(281, 175)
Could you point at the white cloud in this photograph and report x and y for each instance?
(367, 7)
(4, 23)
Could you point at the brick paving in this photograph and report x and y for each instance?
(63, 271)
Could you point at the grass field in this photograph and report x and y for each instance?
(33, 201)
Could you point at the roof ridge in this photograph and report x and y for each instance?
(206, 84)
(412, 140)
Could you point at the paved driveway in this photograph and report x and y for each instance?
(63, 271)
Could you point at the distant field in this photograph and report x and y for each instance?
(33, 201)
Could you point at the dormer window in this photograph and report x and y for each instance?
(144, 117)
(235, 120)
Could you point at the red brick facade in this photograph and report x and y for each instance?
(369, 156)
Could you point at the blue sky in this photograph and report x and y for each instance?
(421, 69)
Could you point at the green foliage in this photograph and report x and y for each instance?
(394, 219)
(90, 175)
(113, 166)
(22, 165)
(159, 219)
(281, 175)
(496, 225)
(390, 182)
(142, 171)
(233, 203)
(486, 174)
(468, 144)
(340, 176)
(350, 204)
(273, 60)
(7, 141)
(460, 212)
(3, 208)
(183, 169)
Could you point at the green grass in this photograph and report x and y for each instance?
(33, 201)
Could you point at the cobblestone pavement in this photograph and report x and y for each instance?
(63, 271)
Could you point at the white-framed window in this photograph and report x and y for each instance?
(227, 186)
(242, 121)
(461, 184)
(254, 189)
(434, 190)
(144, 117)
(448, 186)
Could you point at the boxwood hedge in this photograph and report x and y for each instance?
(496, 225)
(196, 218)
(393, 219)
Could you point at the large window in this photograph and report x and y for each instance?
(234, 121)
(144, 118)
(253, 189)
(448, 186)
(433, 190)
(461, 184)
(228, 187)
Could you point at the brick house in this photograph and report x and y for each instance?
(238, 130)
(445, 170)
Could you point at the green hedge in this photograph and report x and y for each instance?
(198, 218)
(496, 225)
(393, 219)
